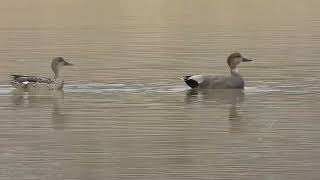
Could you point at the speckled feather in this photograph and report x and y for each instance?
(36, 83)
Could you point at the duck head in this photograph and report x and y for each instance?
(235, 59)
(57, 64)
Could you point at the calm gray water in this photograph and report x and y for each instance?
(125, 114)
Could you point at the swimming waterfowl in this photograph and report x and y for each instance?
(233, 81)
(41, 83)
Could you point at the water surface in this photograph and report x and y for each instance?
(125, 114)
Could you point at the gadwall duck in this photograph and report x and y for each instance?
(42, 83)
(233, 81)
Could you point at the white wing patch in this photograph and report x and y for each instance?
(198, 78)
(25, 82)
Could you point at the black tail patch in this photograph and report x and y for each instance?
(15, 76)
(185, 78)
(192, 83)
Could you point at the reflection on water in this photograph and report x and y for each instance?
(220, 96)
(29, 98)
(34, 100)
(155, 131)
(231, 97)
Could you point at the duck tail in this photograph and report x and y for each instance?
(14, 76)
(190, 82)
(185, 78)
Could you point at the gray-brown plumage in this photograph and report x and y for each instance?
(233, 81)
(41, 83)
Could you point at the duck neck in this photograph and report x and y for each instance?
(235, 72)
(57, 73)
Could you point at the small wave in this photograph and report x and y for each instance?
(165, 87)
(5, 89)
(110, 88)
(93, 87)
(260, 89)
(299, 87)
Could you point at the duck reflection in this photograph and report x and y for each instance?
(225, 96)
(231, 97)
(41, 100)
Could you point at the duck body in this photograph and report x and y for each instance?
(214, 82)
(31, 83)
(36, 83)
(232, 81)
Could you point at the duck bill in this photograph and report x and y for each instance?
(246, 60)
(68, 64)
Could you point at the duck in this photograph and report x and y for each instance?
(24, 82)
(232, 81)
